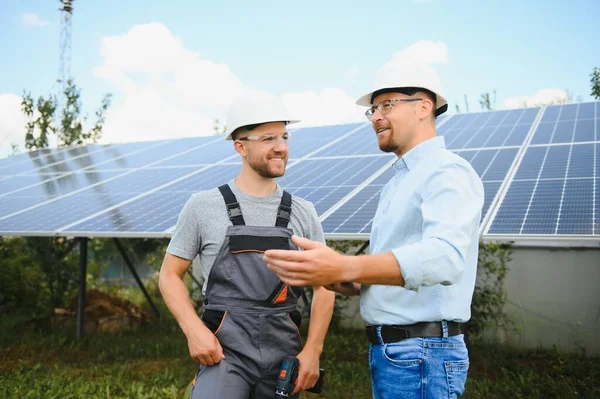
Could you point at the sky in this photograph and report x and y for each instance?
(174, 67)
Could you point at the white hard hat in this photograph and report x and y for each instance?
(398, 75)
(253, 107)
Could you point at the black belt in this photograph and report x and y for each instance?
(419, 330)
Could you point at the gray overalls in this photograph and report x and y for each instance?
(251, 312)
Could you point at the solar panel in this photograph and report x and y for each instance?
(538, 166)
(552, 192)
(488, 129)
(78, 203)
(310, 139)
(157, 211)
(15, 162)
(567, 124)
(23, 196)
(356, 215)
(325, 190)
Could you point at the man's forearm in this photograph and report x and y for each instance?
(177, 299)
(321, 312)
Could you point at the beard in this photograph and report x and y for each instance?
(387, 144)
(386, 140)
(264, 170)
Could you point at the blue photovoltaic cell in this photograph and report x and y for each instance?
(356, 215)
(490, 164)
(569, 112)
(110, 192)
(51, 216)
(208, 177)
(583, 162)
(204, 155)
(158, 211)
(155, 212)
(30, 162)
(325, 190)
(543, 211)
(361, 142)
(490, 190)
(24, 159)
(47, 189)
(555, 165)
(87, 157)
(306, 140)
(577, 207)
(587, 111)
(585, 130)
(17, 182)
(154, 154)
(488, 129)
(552, 204)
(531, 164)
(509, 218)
(567, 124)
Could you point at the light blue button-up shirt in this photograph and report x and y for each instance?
(428, 217)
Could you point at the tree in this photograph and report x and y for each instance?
(55, 254)
(218, 128)
(69, 130)
(485, 101)
(595, 81)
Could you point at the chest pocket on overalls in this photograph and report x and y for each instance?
(248, 273)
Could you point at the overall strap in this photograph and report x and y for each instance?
(233, 207)
(284, 211)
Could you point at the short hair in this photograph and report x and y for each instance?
(249, 128)
(409, 91)
(244, 128)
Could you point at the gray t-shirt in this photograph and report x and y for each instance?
(203, 222)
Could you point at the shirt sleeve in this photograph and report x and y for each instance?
(186, 240)
(315, 229)
(451, 211)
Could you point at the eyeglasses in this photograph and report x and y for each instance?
(385, 106)
(272, 139)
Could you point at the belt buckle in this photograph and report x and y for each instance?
(371, 333)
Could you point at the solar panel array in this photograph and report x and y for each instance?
(538, 167)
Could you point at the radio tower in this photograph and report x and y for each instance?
(64, 63)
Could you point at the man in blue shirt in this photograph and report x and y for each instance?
(417, 284)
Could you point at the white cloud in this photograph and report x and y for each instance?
(167, 90)
(31, 19)
(12, 124)
(329, 106)
(541, 97)
(424, 51)
(147, 116)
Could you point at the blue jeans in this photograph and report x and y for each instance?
(420, 368)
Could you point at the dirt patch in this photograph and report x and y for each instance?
(103, 313)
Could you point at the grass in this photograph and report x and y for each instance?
(154, 363)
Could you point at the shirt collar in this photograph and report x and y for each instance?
(412, 157)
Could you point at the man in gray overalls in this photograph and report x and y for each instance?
(249, 322)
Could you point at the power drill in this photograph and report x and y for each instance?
(288, 374)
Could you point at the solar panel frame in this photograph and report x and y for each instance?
(565, 189)
(549, 186)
